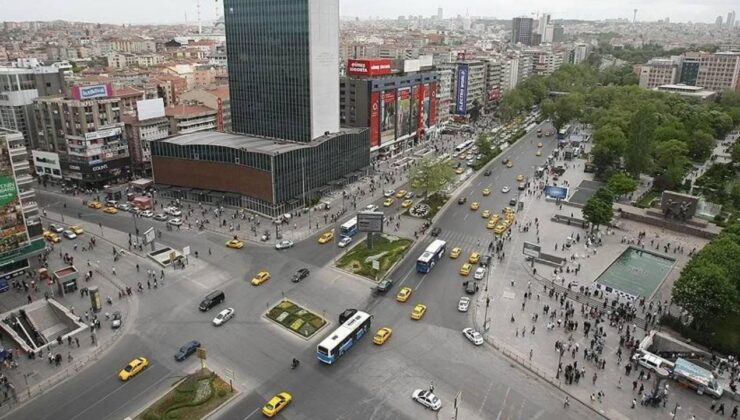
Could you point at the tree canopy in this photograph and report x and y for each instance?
(598, 209)
(431, 175)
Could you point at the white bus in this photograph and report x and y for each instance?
(431, 256)
(349, 228)
(464, 145)
(344, 337)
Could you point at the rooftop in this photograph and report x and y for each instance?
(187, 111)
(221, 91)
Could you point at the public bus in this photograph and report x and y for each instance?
(464, 145)
(344, 337)
(564, 132)
(349, 228)
(431, 256)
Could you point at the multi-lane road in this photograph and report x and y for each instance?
(369, 382)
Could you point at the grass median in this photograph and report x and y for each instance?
(295, 318)
(199, 394)
(387, 249)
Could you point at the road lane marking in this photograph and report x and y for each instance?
(503, 404)
(252, 413)
(406, 276)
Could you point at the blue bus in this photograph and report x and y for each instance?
(564, 132)
(431, 256)
(344, 337)
(349, 228)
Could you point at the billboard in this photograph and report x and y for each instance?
(369, 67)
(370, 221)
(92, 91)
(375, 119)
(421, 113)
(494, 94)
(433, 104)
(531, 249)
(388, 116)
(560, 193)
(461, 89)
(13, 232)
(411, 66)
(403, 115)
(150, 108)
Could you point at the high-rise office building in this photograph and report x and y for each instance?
(718, 21)
(521, 30)
(440, 13)
(731, 19)
(283, 67)
(542, 24)
(284, 93)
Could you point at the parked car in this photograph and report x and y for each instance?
(463, 304)
(473, 335)
(487, 172)
(470, 287)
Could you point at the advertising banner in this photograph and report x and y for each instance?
(433, 105)
(560, 193)
(414, 109)
(375, 119)
(92, 91)
(461, 56)
(388, 116)
(13, 232)
(427, 105)
(369, 67)
(461, 90)
(420, 111)
(404, 111)
(494, 95)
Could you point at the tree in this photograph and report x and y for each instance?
(432, 175)
(640, 139)
(484, 145)
(621, 184)
(700, 146)
(597, 212)
(736, 153)
(705, 291)
(671, 153)
(605, 195)
(568, 108)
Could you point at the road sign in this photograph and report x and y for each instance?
(186, 250)
(201, 353)
(149, 236)
(531, 249)
(370, 221)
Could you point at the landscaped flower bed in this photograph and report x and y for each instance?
(296, 318)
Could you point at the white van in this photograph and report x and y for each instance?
(653, 362)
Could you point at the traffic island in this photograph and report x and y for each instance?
(374, 263)
(296, 319)
(193, 398)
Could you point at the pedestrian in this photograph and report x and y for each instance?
(593, 379)
(734, 413)
(634, 403)
(566, 403)
(114, 270)
(642, 388)
(77, 341)
(721, 408)
(530, 354)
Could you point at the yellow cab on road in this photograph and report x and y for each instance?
(77, 229)
(95, 205)
(133, 368)
(474, 206)
(455, 252)
(276, 404)
(382, 335)
(485, 214)
(401, 193)
(491, 223)
(465, 269)
(51, 236)
(326, 237)
(474, 258)
(403, 294)
(389, 202)
(500, 229)
(486, 191)
(407, 203)
(235, 243)
(110, 210)
(418, 312)
(260, 278)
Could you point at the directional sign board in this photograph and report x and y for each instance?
(531, 249)
(370, 221)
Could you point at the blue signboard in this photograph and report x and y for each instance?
(461, 93)
(556, 192)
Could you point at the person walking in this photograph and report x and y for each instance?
(114, 270)
(734, 413)
(721, 408)
(634, 403)
(566, 403)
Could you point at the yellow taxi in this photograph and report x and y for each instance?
(260, 278)
(474, 206)
(389, 202)
(403, 294)
(508, 210)
(51, 236)
(495, 218)
(460, 170)
(455, 252)
(500, 229)
(235, 243)
(520, 178)
(326, 237)
(485, 214)
(276, 404)
(418, 312)
(407, 203)
(95, 205)
(474, 258)
(382, 335)
(539, 144)
(486, 192)
(509, 164)
(539, 152)
(465, 269)
(77, 229)
(110, 210)
(133, 368)
(401, 193)
(491, 223)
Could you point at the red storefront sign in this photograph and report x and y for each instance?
(375, 119)
(369, 67)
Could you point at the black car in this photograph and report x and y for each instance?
(186, 350)
(470, 287)
(436, 231)
(384, 286)
(347, 314)
(512, 202)
(299, 275)
(462, 200)
(487, 172)
(485, 260)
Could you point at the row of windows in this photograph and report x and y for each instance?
(212, 154)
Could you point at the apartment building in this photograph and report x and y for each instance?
(658, 72)
(719, 71)
(186, 119)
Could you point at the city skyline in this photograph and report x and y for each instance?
(166, 11)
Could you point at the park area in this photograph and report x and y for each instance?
(193, 398)
(295, 318)
(374, 263)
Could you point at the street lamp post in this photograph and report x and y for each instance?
(675, 410)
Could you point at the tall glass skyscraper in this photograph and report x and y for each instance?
(283, 67)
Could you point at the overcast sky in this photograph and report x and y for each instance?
(174, 11)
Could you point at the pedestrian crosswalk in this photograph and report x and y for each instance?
(466, 242)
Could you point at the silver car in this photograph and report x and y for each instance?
(284, 244)
(346, 240)
(464, 304)
(473, 335)
(223, 316)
